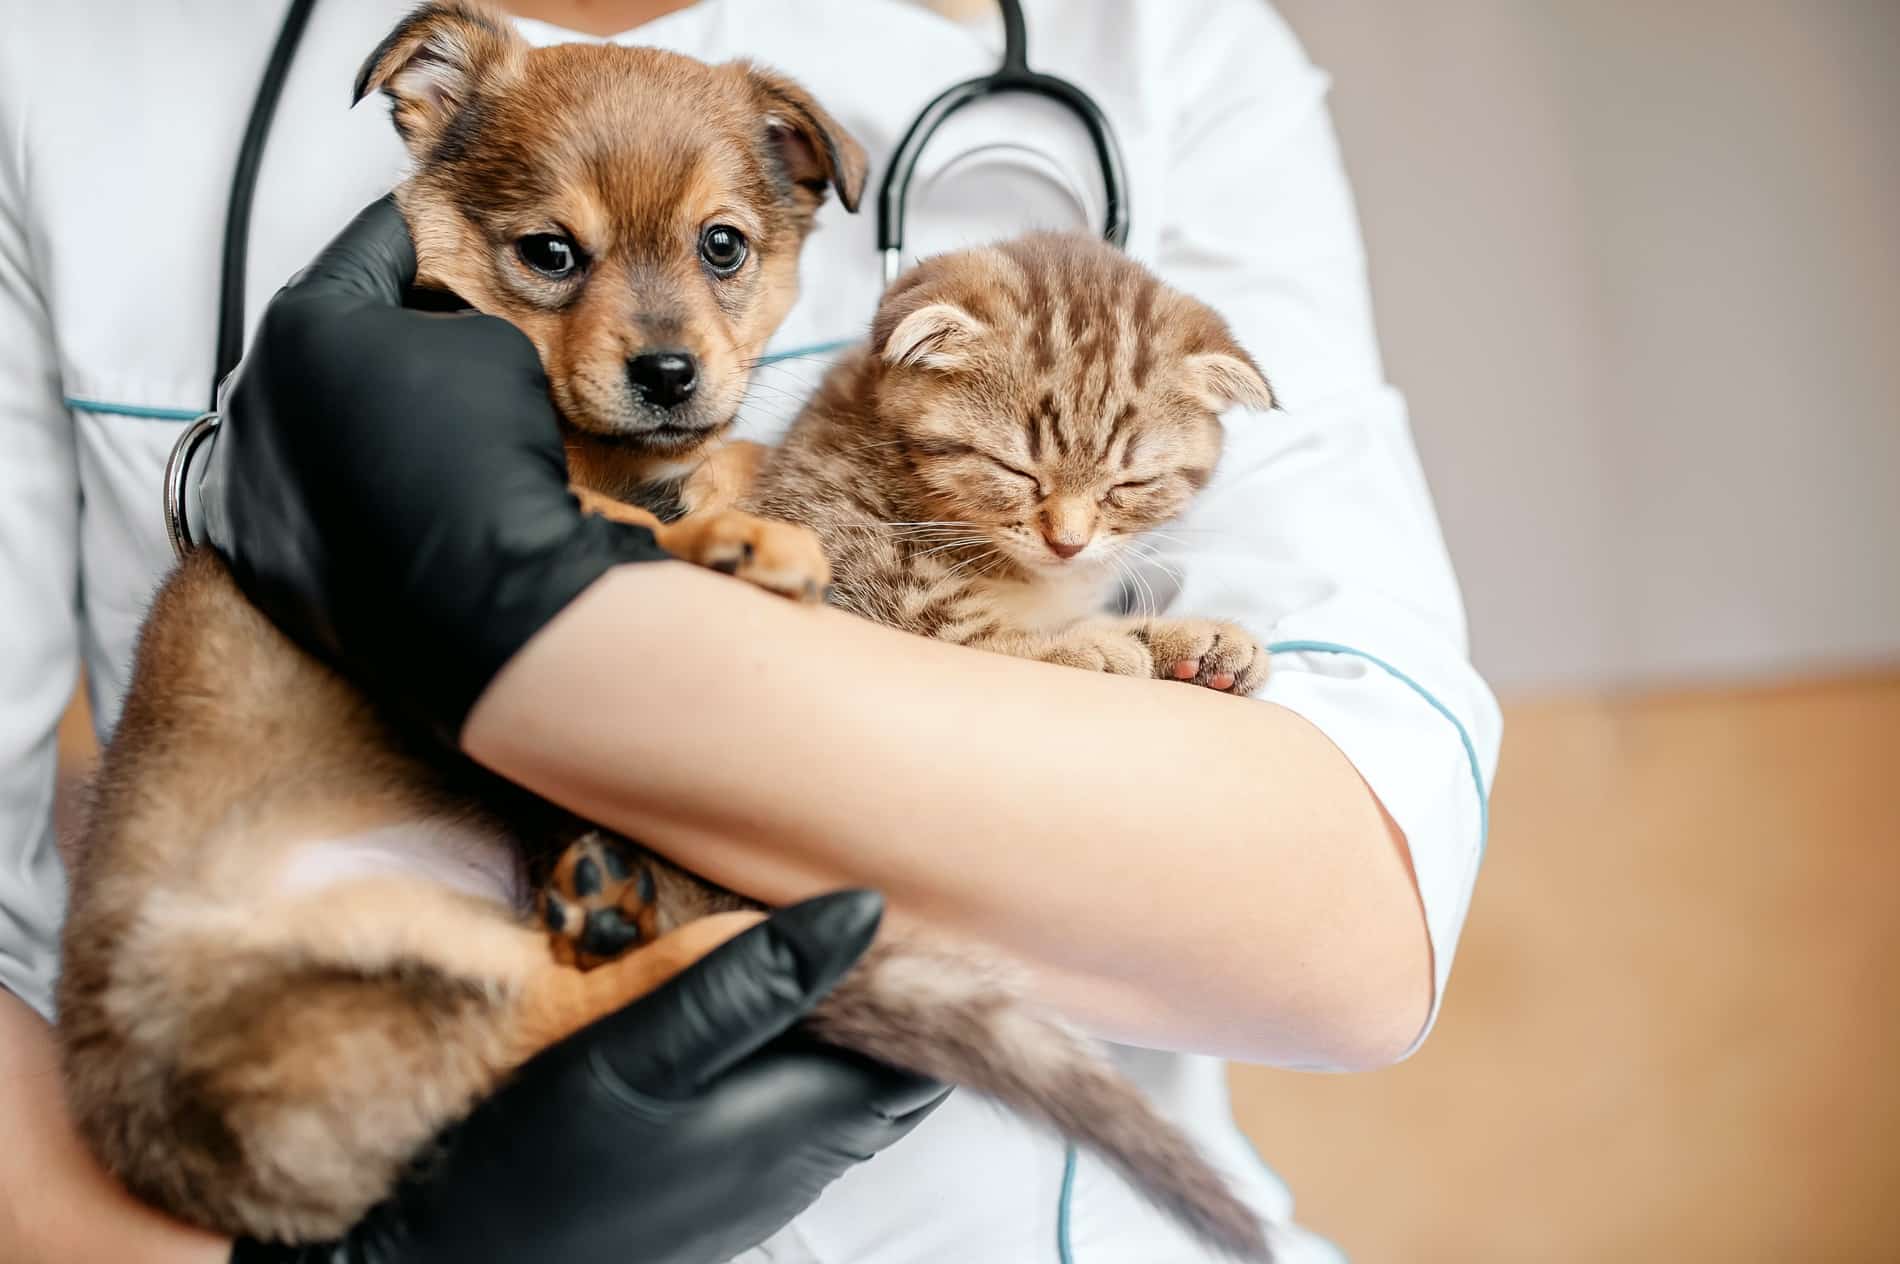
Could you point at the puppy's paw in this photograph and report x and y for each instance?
(1099, 648)
(599, 903)
(779, 557)
(1209, 652)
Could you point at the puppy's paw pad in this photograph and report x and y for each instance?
(599, 902)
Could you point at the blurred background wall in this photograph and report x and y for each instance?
(1637, 267)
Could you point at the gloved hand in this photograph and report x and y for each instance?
(659, 1135)
(390, 485)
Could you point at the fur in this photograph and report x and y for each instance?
(273, 999)
(983, 470)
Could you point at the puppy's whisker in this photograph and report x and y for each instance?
(775, 389)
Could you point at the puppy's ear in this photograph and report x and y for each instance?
(811, 147)
(433, 64)
(1227, 378)
(934, 336)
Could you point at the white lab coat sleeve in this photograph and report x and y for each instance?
(1318, 533)
(39, 587)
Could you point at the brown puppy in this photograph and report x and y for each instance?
(298, 942)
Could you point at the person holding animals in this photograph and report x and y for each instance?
(1302, 866)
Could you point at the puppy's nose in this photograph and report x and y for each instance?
(665, 379)
(1062, 547)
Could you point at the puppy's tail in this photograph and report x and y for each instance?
(945, 1016)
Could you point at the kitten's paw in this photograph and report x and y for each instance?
(599, 903)
(1114, 650)
(1209, 652)
(779, 557)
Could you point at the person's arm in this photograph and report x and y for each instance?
(57, 1205)
(1318, 531)
(1178, 867)
(1283, 881)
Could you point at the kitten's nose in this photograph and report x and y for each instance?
(664, 379)
(1064, 548)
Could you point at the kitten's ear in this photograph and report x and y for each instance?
(1227, 379)
(935, 336)
(814, 149)
(433, 62)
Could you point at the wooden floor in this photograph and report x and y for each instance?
(1673, 1030)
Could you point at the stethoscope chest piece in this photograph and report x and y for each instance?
(178, 482)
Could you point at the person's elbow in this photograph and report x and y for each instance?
(1373, 996)
(1380, 1012)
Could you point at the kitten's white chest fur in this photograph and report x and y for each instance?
(1047, 603)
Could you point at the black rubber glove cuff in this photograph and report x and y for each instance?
(390, 485)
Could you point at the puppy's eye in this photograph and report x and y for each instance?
(723, 247)
(550, 254)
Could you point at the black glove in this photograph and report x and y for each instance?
(390, 485)
(658, 1135)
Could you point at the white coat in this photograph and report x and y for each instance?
(119, 124)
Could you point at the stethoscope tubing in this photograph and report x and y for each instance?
(1013, 76)
(237, 213)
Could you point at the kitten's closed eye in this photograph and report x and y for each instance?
(950, 448)
(1006, 467)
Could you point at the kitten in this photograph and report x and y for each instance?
(981, 472)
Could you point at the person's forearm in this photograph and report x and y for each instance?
(1177, 867)
(57, 1205)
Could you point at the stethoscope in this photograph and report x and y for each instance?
(1012, 76)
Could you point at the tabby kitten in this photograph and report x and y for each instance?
(979, 472)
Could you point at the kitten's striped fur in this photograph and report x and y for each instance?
(1016, 403)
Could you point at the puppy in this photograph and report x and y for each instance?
(300, 942)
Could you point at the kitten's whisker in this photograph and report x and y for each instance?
(1146, 552)
(1145, 596)
(963, 542)
(1158, 563)
(1146, 555)
(879, 526)
(1178, 530)
(1137, 588)
(957, 570)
